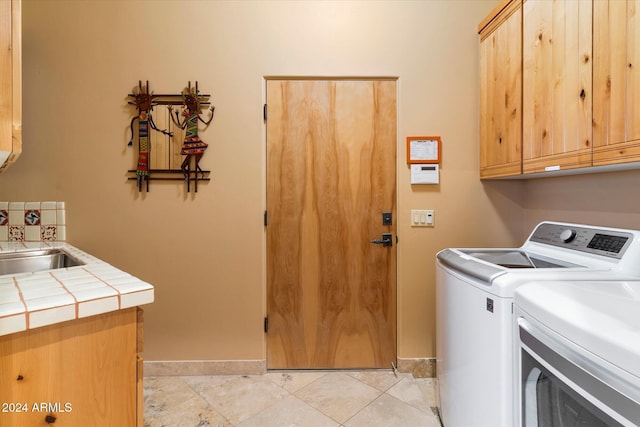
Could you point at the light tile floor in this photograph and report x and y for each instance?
(292, 398)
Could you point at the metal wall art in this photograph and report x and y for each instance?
(143, 101)
(189, 105)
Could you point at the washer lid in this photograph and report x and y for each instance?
(600, 316)
(517, 258)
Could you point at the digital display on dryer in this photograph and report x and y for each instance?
(607, 243)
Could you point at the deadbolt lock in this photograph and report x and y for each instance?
(387, 218)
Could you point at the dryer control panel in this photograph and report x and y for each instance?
(598, 241)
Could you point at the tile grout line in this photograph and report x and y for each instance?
(382, 393)
(282, 381)
(226, 420)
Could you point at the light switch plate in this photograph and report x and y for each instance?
(422, 218)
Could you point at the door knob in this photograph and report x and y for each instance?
(385, 241)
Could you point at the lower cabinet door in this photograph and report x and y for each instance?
(77, 373)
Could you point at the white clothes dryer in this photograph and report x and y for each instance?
(474, 310)
(578, 354)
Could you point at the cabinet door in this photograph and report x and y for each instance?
(616, 81)
(10, 82)
(501, 94)
(77, 373)
(557, 85)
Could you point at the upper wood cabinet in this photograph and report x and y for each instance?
(10, 82)
(616, 81)
(557, 85)
(501, 91)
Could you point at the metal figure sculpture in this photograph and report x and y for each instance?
(192, 147)
(143, 101)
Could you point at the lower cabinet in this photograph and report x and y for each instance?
(81, 373)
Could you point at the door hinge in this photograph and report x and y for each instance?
(266, 218)
(264, 112)
(266, 324)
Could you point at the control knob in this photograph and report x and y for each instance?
(567, 235)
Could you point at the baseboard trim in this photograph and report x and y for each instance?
(419, 367)
(159, 368)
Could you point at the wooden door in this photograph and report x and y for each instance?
(331, 156)
(616, 81)
(501, 93)
(557, 80)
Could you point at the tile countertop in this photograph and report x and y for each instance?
(31, 300)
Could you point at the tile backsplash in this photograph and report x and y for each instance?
(32, 222)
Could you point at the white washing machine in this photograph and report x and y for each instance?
(578, 354)
(474, 310)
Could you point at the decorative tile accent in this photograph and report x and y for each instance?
(32, 221)
(32, 217)
(48, 233)
(16, 233)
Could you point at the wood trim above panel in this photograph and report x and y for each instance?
(498, 15)
(572, 160)
(504, 170)
(617, 153)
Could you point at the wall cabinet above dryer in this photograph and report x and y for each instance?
(580, 88)
(501, 91)
(616, 82)
(556, 85)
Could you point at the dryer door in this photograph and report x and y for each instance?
(556, 391)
